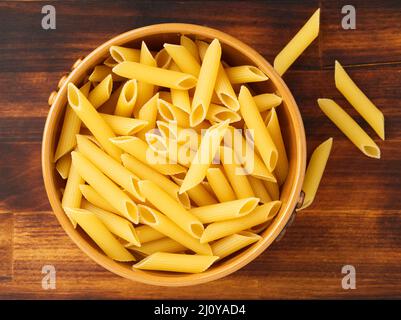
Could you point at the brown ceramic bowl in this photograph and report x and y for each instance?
(235, 53)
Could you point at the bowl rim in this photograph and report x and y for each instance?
(186, 279)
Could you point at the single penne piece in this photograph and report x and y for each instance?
(190, 45)
(222, 229)
(314, 171)
(72, 195)
(146, 233)
(156, 76)
(71, 127)
(206, 81)
(225, 210)
(93, 120)
(273, 126)
(373, 116)
(63, 165)
(170, 112)
(180, 98)
(99, 233)
(140, 150)
(176, 262)
(245, 74)
(110, 167)
(273, 189)
(163, 59)
(233, 243)
(116, 224)
(235, 174)
(225, 91)
(105, 187)
(349, 127)
(266, 101)
(95, 198)
(164, 225)
(145, 89)
(169, 130)
(183, 58)
(263, 141)
(220, 185)
(123, 125)
(259, 189)
(110, 105)
(121, 54)
(202, 48)
(171, 208)
(101, 93)
(100, 72)
(298, 44)
(126, 100)
(208, 149)
(198, 194)
(110, 62)
(148, 113)
(216, 114)
(161, 245)
(145, 172)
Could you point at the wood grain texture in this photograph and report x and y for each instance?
(355, 218)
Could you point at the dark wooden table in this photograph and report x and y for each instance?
(356, 217)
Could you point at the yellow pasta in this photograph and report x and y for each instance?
(121, 54)
(63, 165)
(349, 127)
(245, 74)
(115, 224)
(259, 189)
(266, 101)
(95, 228)
(110, 167)
(202, 48)
(190, 46)
(263, 141)
(147, 234)
(148, 113)
(273, 127)
(110, 105)
(105, 187)
(219, 184)
(206, 82)
(145, 172)
(225, 91)
(225, 210)
(93, 120)
(232, 243)
(173, 209)
(71, 126)
(359, 100)
(273, 189)
(101, 93)
(170, 112)
(314, 172)
(163, 59)
(180, 98)
(123, 125)
(95, 198)
(183, 58)
(216, 114)
(99, 73)
(164, 225)
(161, 245)
(204, 156)
(157, 76)
(126, 100)
(298, 44)
(140, 150)
(176, 262)
(222, 229)
(110, 62)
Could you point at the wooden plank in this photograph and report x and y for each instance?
(6, 246)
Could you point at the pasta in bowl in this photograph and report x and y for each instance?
(173, 154)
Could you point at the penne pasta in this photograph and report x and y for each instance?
(161, 245)
(170, 112)
(198, 194)
(222, 229)
(202, 48)
(100, 72)
(98, 232)
(232, 243)
(206, 82)
(208, 149)
(298, 44)
(176, 262)
(349, 127)
(273, 189)
(105, 187)
(314, 171)
(63, 165)
(183, 58)
(101, 93)
(121, 54)
(225, 91)
(126, 100)
(110, 62)
(267, 101)
(263, 141)
(180, 98)
(373, 116)
(146, 233)
(190, 46)
(123, 125)
(148, 113)
(173, 209)
(225, 210)
(219, 184)
(110, 105)
(164, 225)
(216, 114)
(95, 198)
(156, 76)
(163, 59)
(93, 120)
(245, 74)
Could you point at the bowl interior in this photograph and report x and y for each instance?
(234, 53)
